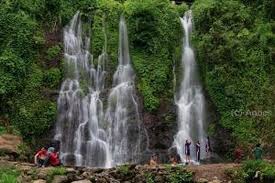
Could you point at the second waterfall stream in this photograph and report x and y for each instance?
(125, 131)
(189, 99)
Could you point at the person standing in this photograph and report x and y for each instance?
(198, 151)
(258, 151)
(187, 151)
(208, 148)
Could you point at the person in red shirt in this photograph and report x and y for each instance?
(54, 159)
(40, 157)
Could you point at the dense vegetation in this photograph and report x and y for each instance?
(8, 174)
(235, 51)
(246, 173)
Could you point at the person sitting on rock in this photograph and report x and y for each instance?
(40, 157)
(153, 161)
(173, 160)
(52, 158)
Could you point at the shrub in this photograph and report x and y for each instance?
(52, 78)
(178, 174)
(247, 172)
(233, 53)
(267, 170)
(149, 178)
(53, 52)
(124, 169)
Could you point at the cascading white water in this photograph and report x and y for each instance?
(190, 99)
(79, 128)
(122, 113)
(88, 136)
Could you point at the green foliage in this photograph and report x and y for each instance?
(178, 174)
(53, 52)
(267, 170)
(105, 26)
(155, 34)
(52, 78)
(33, 115)
(124, 170)
(24, 151)
(8, 174)
(247, 173)
(236, 175)
(233, 51)
(55, 171)
(17, 49)
(2, 130)
(149, 178)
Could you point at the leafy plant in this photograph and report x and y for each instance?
(124, 169)
(179, 175)
(53, 52)
(8, 174)
(149, 178)
(55, 171)
(52, 78)
(266, 170)
(252, 170)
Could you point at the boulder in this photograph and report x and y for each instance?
(59, 179)
(82, 181)
(202, 180)
(70, 170)
(43, 172)
(39, 181)
(9, 143)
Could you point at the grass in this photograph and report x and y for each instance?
(55, 171)
(8, 174)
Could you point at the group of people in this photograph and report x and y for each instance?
(187, 150)
(45, 157)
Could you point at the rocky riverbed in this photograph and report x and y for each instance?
(213, 173)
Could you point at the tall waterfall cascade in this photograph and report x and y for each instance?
(125, 130)
(189, 99)
(90, 135)
(79, 128)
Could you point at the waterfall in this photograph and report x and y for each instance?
(89, 136)
(79, 127)
(190, 99)
(124, 129)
